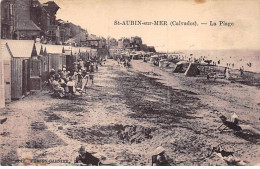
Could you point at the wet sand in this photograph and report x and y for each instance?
(129, 112)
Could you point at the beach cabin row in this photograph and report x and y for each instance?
(24, 65)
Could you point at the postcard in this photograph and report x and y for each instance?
(130, 83)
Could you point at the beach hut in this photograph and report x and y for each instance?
(84, 54)
(44, 60)
(75, 53)
(93, 53)
(2, 88)
(19, 52)
(102, 53)
(5, 75)
(88, 51)
(67, 52)
(56, 58)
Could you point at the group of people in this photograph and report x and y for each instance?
(159, 158)
(75, 80)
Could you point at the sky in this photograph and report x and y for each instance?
(98, 16)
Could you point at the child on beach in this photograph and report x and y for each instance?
(159, 157)
(87, 158)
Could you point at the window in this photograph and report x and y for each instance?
(6, 14)
(11, 10)
(4, 32)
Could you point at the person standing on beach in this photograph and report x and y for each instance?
(242, 70)
(227, 75)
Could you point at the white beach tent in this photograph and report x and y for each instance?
(181, 67)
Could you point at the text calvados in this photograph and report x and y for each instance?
(183, 23)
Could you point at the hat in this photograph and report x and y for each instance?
(81, 149)
(159, 150)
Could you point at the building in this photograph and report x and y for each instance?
(65, 30)
(27, 30)
(40, 16)
(112, 42)
(102, 42)
(92, 41)
(7, 19)
(16, 22)
(124, 43)
(53, 33)
(136, 43)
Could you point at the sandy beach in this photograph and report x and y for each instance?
(127, 113)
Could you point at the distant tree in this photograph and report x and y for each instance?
(151, 49)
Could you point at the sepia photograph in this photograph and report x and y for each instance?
(130, 83)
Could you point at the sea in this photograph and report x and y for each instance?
(249, 59)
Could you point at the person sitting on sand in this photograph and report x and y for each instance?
(227, 156)
(229, 124)
(233, 124)
(56, 86)
(87, 158)
(71, 85)
(159, 157)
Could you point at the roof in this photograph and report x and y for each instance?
(51, 6)
(85, 49)
(27, 25)
(93, 50)
(49, 48)
(88, 49)
(92, 37)
(54, 48)
(75, 50)
(51, 3)
(182, 62)
(19, 48)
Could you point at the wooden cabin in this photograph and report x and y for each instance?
(84, 53)
(17, 54)
(4, 81)
(42, 55)
(67, 51)
(56, 59)
(6, 59)
(93, 53)
(76, 53)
